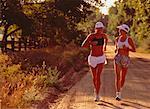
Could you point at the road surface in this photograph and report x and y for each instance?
(136, 92)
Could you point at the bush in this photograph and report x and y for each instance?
(24, 79)
(145, 46)
(52, 77)
(32, 94)
(18, 89)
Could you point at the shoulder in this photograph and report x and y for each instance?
(129, 39)
(104, 35)
(90, 36)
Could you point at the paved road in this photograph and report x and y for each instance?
(136, 93)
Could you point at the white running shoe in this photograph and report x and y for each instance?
(97, 99)
(118, 96)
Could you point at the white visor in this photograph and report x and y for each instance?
(99, 25)
(124, 27)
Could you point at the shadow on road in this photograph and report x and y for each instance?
(108, 104)
(123, 104)
(134, 104)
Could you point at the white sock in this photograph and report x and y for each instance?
(118, 94)
(97, 97)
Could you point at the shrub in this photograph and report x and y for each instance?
(32, 94)
(19, 88)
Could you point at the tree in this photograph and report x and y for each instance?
(51, 18)
(11, 14)
(135, 14)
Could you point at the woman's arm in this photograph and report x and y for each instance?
(116, 40)
(86, 42)
(106, 40)
(131, 43)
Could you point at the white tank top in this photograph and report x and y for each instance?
(121, 44)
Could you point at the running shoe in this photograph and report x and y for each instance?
(97, 99)
(118, 96)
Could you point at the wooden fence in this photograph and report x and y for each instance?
(23, 44)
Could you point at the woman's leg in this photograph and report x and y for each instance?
(123, 76)
(94, 76)
(100, 68)
(117, 77)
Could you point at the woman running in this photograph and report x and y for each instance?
(96, 58)
(124, 44)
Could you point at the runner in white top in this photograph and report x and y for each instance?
(124, 44)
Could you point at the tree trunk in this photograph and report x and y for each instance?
(4, 39)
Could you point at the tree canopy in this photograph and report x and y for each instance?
(56, 19)
(136, 14)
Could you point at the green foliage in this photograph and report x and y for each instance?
(88, 25)
(136, 14)
(11, 13)
(32, 94)
(145, 46)
(52, 76)
(46, 77)
(56, 19)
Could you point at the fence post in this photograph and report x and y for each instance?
(25, 44)
(4, 46)
(13, 43)
(19, 44)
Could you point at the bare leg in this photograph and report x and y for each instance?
(94, 76)
(100, 68)
(117, 76)
(123, 76)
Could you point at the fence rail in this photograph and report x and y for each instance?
(22, 44)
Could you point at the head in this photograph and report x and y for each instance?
(123, 29)
(122, 32)
(99, 27)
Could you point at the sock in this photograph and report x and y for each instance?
(118, 94)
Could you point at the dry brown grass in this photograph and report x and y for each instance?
(23, 80)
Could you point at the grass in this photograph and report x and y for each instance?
(144, 46)
(141, 50)
(23, 78)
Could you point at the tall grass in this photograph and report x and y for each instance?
(18, 88)
(23, 78)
